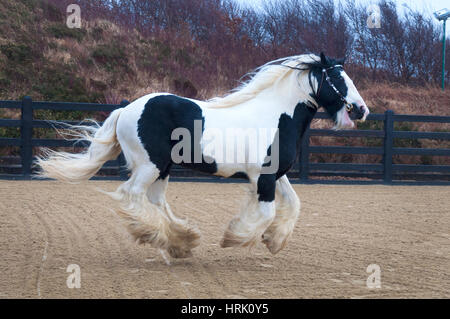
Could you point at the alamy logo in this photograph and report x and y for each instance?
(74, 279)
(74, 17)
(227, 146)
(374, 18)
(374, 279)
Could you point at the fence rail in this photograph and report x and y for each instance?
(383, 171)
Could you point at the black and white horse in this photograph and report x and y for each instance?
(158, 130)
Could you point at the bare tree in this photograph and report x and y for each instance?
(233, 39)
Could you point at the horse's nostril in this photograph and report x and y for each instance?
(357, 112)
(364, 109)
(360, 110)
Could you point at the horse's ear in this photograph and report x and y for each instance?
(341, 61)
(323, 59)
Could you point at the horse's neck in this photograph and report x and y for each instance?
(287, 95)
(273, 102)
(289, 91)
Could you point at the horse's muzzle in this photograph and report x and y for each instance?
(359, 112)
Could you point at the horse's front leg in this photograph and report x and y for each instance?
(287, 212)
(249, 225)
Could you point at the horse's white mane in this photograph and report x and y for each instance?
(262, 78)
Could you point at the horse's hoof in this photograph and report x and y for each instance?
(225, 243)
(274, 245)
(232, 240)
(185, 237)
(177, 252)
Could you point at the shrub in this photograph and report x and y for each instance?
(163, 51)
(97, 33)
(57, 83)
(182, 56)
(110, 56)
(61, 31)
(17, 53)
(185, 87)
(4, 82)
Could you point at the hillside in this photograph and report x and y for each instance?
(105, 62)
(41, 57)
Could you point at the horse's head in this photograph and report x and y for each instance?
(337, 94)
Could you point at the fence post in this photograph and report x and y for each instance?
(304, 157)
(123, 172)
(388, 145)
(26, 134)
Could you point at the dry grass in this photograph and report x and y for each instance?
(403, 99)
(134, 65)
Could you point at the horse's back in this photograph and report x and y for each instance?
(150, 123)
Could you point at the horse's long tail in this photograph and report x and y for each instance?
(70, 167)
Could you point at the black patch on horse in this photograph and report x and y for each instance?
(290, 133)
(163, 114)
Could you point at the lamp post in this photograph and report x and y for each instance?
(443, 15)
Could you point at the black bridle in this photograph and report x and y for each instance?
(348, 106)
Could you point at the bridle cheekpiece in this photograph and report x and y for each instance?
(348, 106)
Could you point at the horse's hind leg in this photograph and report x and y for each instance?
(287, 212)
(146, 222)
(182, 238)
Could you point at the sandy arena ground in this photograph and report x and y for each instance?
(45, 226)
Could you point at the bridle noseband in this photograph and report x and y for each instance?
(348, 106)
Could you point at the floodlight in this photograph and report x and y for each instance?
(442, 14)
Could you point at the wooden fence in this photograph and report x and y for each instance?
(383, 171)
